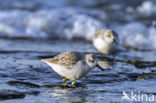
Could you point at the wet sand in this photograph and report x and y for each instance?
(24, 78)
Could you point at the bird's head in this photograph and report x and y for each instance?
(107, 35)
(92, 61)
(104, 39)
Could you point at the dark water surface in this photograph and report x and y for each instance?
(25, 79)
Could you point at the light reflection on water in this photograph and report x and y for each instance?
(21, 69)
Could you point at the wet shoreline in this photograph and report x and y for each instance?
(24, 76)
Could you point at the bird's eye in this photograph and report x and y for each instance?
(91, 61)
(109, 35)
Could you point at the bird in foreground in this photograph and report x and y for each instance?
(106, 41)
(72, 65)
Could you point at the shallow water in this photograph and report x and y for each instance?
(26, 25)
(81, 19)
(24, 78)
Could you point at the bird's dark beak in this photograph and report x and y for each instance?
(116, 37)
(100, 67)
(116, 41)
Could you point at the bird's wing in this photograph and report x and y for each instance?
(67, 59)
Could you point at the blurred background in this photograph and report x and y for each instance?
(68, 19)
(30, 29)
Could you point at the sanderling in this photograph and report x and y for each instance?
(106, 41)
(72, 65)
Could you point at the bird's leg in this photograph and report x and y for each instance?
(73, 82)
(64, 79)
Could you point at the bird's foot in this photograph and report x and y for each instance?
(64, 79)
(65, 84)
(74, 83)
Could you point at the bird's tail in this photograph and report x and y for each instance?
(44, 60)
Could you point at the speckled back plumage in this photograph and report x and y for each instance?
(66, 59)
(99, 33)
